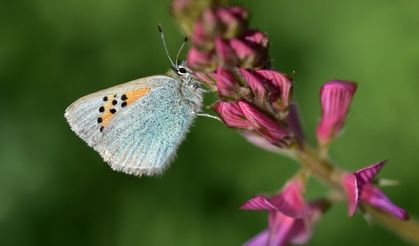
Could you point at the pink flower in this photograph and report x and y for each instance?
(358, 187)
(335, 99)
(290, 219)
(244, 115)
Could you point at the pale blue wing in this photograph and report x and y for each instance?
(142, 137)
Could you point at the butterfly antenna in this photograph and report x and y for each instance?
(180, 50)
(165, 46)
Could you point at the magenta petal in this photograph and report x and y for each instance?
(200, 59)
(225, 53)
(300, 232)
(260, 239)
(366, 175)
(244, 52)
(376, 198)
(290, 201)
(303, 228)
(294, 123)
(256, 37)
(258, 203)
(208, 78)
(259, 141)
(232, 115)
(226, 84)
(233, 21)
(263, 124)
(254, 82)
(240, 12)
(349, 184)
(200, 36)
(335, 98)
(279, 227)
(281, 84)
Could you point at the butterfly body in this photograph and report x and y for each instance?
(137, 126)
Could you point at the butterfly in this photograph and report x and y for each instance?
(137, 126)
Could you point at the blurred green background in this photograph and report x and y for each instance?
(55, 190)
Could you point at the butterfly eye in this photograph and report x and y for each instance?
(181, 70)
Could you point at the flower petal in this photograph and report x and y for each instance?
(248, 55)
(260, 239)
(263, 124)
(257, 37)
(234, 20)
(294, 123)
(226, 83)
(254, 82)
(232, 115)
(335, 99)
(208, 78)
(366, 175)
(349, 184)
(290, 201)
(258, 202)
(279, 227)
(200, 60)
(260, 141)
(376, 198)
(282, 86)
(225, 53)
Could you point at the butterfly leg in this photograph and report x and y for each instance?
(207, 115)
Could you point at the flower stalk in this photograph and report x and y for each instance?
(232, 59)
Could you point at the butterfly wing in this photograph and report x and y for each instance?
(137, 126)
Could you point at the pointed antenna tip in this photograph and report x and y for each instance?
(160, 28)
(185, 39)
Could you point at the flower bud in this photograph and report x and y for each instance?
(335, 98)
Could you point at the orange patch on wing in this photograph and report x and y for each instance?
(107, 115)
(133, 96)
(114, 103)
